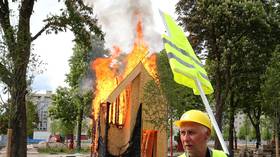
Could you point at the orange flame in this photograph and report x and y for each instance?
(107, 78)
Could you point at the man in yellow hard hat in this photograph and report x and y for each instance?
(195, 131)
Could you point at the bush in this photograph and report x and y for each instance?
(56, 149)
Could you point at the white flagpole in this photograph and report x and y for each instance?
(211, 115)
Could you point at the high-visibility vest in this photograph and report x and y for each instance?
(214, 153)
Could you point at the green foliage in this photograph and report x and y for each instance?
(244, 130)
(58, 127)
(225, 131)
(78, 66)
(271, 86)
(238, 38)
(266, 134)
(179, 98)
(252, 134)
(59, 150)
(16, 56)
(64, 108)
(266, 128)
(77, 17)
(271, 91)
(55, 127)
(55, 150)
(32, 118)
(155, 105)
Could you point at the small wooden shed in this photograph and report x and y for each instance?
(135, 136)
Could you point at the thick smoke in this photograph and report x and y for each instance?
(118, 20)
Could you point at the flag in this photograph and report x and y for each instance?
(185, 65)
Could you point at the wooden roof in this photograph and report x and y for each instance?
(125, 82)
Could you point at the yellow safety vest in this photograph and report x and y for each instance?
(215, 153)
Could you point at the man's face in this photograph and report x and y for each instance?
(194, 138)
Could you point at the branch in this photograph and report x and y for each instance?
(40, 32)
(5, 75)
(6, 25)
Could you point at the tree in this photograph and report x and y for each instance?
(271, 91)
(270, 88)
(78, 68)
(80, 81)
(16, 41)
(218, 27)
(256, 49)
(80, 77)
(63, 101)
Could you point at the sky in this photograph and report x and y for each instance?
(55, 50)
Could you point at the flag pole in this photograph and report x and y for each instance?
(211, 115)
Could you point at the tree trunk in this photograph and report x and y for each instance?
(221, 96)
(219, 105)
(235, 140)
(231, 130)
(258, 136)
(256, 125)
(218, 85)
(18, 118)
(231, 123)
(79, 129)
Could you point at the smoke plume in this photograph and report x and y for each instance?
(118, 20)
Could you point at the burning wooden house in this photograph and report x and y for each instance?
(120, 125)
(123, 129)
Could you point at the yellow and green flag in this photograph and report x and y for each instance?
(185, 65)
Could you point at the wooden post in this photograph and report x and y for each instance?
(9, 142)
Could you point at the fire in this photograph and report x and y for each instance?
(139, 51)
(150, 64)
(105, 81)
(118, 108)
(107, 77)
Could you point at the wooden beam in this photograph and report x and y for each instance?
(130, 77)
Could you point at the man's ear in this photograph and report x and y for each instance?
(208, 134)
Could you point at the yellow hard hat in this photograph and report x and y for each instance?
(194, 116)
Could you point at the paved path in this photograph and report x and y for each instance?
(35, 153)
(51, 155)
